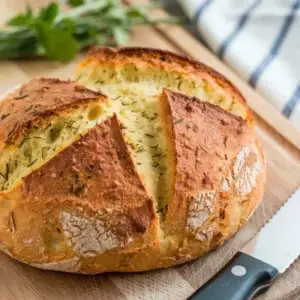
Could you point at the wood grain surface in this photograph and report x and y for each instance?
(281, 142)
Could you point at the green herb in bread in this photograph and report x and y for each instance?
(39, 120)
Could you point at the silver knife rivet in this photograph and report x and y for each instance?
(238, 270)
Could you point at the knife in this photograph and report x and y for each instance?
(254, 268)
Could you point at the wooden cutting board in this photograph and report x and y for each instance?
(281, 142)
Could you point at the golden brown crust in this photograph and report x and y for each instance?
(93, 170)
(205, 140)
(36, 100)
(90, 188)
(208, 143)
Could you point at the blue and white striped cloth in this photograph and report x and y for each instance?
(260, 40)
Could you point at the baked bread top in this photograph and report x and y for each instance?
(150, 162)
(38, 120)
(38, 99)
(179, 73)
(204, 140)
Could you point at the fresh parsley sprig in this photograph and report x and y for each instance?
(60, 35)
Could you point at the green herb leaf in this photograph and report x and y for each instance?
(121, 35)
(60, 35)
(67, 24)
(49, 13)
(135, 12)
(75, 3)
(101, 39)
(58, 44)
(19, 20)
(18, 44)
(22, 19)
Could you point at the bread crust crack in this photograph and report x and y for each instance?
(89, 237)
(201, 207)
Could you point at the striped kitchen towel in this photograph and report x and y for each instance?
(260, 40)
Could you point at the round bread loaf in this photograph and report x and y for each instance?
(148, 161)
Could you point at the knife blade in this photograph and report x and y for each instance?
(254, 268)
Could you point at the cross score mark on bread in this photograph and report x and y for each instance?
(152, 163)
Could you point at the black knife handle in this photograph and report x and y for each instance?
(242, 278)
